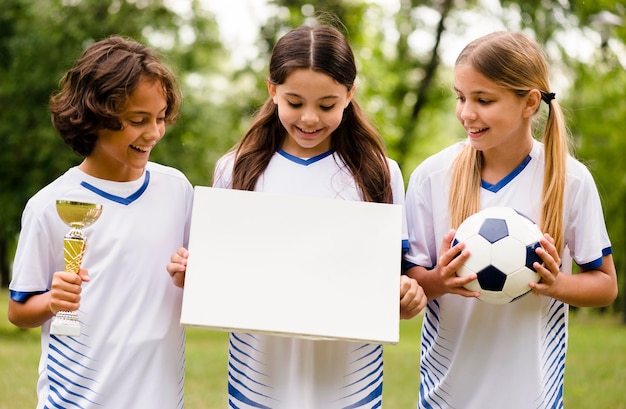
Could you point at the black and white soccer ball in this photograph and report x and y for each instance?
(502, 245)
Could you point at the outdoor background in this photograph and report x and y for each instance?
(405, 51)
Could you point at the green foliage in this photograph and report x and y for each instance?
(39, 41)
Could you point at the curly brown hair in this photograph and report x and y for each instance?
(94, 92)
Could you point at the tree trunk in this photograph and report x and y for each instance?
(4, 264)
(429, 73)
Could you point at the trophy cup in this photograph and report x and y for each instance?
(77, 215)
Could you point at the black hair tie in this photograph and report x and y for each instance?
(547, 96)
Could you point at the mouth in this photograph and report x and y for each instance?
(474, 131)
(142, 149)
(309, 132)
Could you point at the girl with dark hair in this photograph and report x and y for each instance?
(310, 138)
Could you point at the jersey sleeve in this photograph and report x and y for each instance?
(586, 234)
(223, 174)
(33, 265)
(397, 187)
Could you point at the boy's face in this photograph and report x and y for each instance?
(122, 155)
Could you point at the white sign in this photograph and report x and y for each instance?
(294, 266)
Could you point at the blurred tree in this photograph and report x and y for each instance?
(40, 40)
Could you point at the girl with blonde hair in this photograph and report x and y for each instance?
(479, 355)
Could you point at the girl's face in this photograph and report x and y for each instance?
(310, 107)
(122, 155)
(496, 120)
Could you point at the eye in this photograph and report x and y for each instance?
(327, 107)
(137, 122)
(460, 98)
(294, 104)
(484, 101)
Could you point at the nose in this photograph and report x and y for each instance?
(467, 112)
(155, 130)
(309, 115)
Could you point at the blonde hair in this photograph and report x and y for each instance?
(516, 62)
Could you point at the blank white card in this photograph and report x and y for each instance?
(293, 266)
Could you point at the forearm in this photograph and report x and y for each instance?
(32, 313)
(587, 289)
(429, 280)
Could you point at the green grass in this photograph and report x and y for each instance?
(595, 374)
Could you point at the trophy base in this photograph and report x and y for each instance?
(65, 323)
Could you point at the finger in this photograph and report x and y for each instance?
(179, 279)
(83, 274)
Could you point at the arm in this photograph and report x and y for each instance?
(589, 288)
(63, 296)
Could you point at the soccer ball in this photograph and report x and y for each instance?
(502, 245)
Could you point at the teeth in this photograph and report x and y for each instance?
(139, 148)
(476, 130)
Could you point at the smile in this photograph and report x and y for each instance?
(314, 131)
(140, 148)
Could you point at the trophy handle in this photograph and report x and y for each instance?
(73, 251)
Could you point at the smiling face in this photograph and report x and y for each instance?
(121, 155)
(310, 107)
(496, 119)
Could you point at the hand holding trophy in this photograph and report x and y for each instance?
(77, 215)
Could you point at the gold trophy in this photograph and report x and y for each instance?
(77, 215)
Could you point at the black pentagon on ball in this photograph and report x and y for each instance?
(493, 230)
(531, 256)
(490, 278)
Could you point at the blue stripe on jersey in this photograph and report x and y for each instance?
(405, 246)
(21, 296)
(554, 346)
(597, 262)
(121, 200)
(305, 162)
(432, 370)
(65, 381)
(495, 188)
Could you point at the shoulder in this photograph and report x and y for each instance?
(222, 176)
(169, 179)
(166, 171)
(576, 171)
(437, 164)
(58, 187)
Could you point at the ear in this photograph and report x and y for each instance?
(350, 96)
(271, 89)
(533, 100)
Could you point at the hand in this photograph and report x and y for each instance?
(412, 298)
(450, 260)
(178, 266)
(550, 269)
(66, 289)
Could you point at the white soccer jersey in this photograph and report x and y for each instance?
(284, 373)
(476, 355)
(130, 353)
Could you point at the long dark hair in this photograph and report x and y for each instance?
(323, 49)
